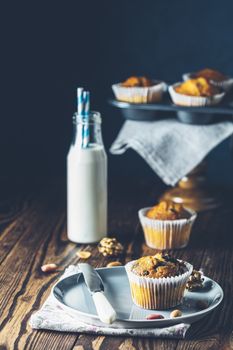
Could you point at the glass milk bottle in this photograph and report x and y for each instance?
(87, 182)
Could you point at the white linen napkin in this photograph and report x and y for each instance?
(53, 317)
(172, 149)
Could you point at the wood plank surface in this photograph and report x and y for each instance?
(33, 232)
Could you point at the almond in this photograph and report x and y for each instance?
(49, 267)
(114, 263)
(175, 313)
(154, 317)
(83, 254)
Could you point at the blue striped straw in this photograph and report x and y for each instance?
(80, 102)
(86, 103)
(86, 111)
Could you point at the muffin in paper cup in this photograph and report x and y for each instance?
(147, 94)
(167, 234)
(157, 293)
(226, 84)
(193, 101)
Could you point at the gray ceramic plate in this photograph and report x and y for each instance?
(73, 295)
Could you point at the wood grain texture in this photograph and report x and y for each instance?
(33, 232)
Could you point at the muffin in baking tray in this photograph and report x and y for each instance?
(196, 92)
(167, 225)
(137, 82)
(215, 77)
(210, 74)
(139, 90)
(158, 282)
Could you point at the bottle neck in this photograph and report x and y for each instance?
(87, 130)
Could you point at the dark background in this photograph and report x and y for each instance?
(48, 48)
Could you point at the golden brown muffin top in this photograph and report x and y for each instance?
(197, 87)
(157, 266)
(167, 211)
(210, 74)
(137, 82)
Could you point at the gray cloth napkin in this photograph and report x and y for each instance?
(53, 317)
(171, 148)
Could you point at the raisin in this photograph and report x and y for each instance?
(167, 257)
(159, 263)
(145, 273)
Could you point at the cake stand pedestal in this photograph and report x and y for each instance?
(193, 191)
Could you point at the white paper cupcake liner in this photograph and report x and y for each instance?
(226, 85)
(193, 101)
(166, 234)
(139, 94)
(157, 293)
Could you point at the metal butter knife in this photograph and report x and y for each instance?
(95, 286)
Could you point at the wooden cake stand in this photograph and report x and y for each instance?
(193, 191)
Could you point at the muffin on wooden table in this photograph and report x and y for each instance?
(158, 282)
(167, 225)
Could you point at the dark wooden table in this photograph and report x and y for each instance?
(33, 232)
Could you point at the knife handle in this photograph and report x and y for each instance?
(104, 309)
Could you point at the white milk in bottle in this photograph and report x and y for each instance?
(87, 182)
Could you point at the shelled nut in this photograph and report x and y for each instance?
(195, 281)
(114, 263)
(175, 313)
(110, 247)
(83, 254)
(154, 317)
(49, 267)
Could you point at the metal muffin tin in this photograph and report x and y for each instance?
(187, 115)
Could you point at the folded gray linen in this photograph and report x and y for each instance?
(53, 317)
(172, 149)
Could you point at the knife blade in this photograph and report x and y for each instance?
(95, 286)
